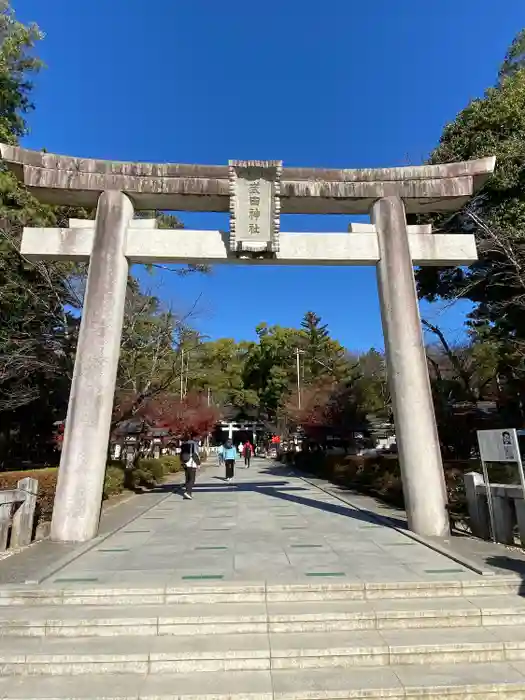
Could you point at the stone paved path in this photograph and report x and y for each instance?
(269, 525)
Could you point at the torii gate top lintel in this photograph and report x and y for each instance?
(79, 181)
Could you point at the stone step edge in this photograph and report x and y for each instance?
(492, 691)
(263, 659)
(261, 592)
(383, 619)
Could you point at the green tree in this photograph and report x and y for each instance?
(515, 58)
(220, 370)
(37, 332)
(371, 384)
(492, 125)
(321, 355)
(314, 339)
(270, 367)
(16, 66)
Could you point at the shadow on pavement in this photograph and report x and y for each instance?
(281, 491)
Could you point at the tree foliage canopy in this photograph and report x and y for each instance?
(491, 125)
(16, 66)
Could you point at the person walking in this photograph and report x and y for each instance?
(189, 457)
(230, 453)
(247, 452)
(220, 453)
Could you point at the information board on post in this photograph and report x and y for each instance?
(498, 446)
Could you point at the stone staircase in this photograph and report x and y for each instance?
(225, 641)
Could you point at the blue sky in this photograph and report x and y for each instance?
(342, 83)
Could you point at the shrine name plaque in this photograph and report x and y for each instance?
(254, 205)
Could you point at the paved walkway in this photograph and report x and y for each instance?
(268, 525)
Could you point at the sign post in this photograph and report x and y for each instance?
(498, 446)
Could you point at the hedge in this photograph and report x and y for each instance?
(380, 475)
(147, 474)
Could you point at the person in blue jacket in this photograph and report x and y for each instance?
(229, 455)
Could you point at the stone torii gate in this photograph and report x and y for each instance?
(255, 193)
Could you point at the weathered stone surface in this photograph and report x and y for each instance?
(255, 208)
(83, 460)
(43, 530)
(477, 505)
(417, 438)
(67, 180)
(23, 519)
(183, 245)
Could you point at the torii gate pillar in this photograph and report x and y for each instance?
(416, 433)
(80, 482)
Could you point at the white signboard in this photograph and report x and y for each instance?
(254, 206)
(498, 445)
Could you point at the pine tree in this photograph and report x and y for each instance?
(315, 342)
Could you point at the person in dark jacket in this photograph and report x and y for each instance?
(190, 459)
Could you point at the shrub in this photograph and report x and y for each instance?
(114, 480)
(117, 479)
(172, 463)
(141, 477)
(380, 475)
(155, 467)
(150, 472)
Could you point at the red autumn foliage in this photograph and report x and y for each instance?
(324, 404)
(180, 416)
(315, 405)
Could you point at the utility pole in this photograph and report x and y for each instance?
(182, 374)
(187, 371)
(297, 353)
(208, 434)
